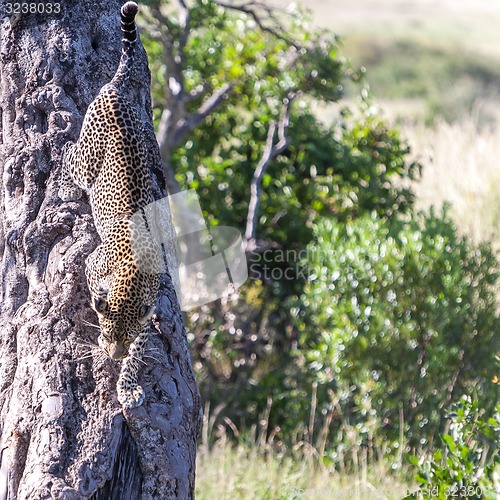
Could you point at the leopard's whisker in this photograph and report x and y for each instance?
(90, 350)
(86, 356)
(150, 357)
(136, 358)
(88, 344)
(88, 323)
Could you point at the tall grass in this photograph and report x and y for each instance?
(230, 472)
(260, 466)
(461, 166)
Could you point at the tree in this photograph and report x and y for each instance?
(63, 433)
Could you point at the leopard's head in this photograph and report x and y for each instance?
(125, 309)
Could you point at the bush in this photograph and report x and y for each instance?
(399, 320)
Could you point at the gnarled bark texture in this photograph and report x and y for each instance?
(62, 432)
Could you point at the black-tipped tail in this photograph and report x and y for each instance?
(129, 38)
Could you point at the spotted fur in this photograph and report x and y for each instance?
(110, 163)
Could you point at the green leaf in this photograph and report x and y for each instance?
(450, 443)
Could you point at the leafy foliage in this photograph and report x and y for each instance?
(343, 169)
(388, 319)
(399, 319)
(467, 464)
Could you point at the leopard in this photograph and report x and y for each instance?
(109, 162)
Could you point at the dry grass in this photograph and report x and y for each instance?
(229, 472)
(461, 166)
(261, 466)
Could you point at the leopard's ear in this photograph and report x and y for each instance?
(100, 305)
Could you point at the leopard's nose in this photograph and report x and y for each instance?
(117, 351)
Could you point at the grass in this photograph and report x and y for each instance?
(473, 23)
(259, 465)
(449, 79)
(434, 67)
(227, 471)
(460, 167)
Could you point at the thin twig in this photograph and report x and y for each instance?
(271, 150)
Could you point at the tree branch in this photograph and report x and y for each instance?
(175, 122)
(185, 23)
(271, 150)
(252, 8)
(188, 123)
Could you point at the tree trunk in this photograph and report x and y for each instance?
(62, 432)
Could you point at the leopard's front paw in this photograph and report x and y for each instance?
(72, 193)
(131, 397)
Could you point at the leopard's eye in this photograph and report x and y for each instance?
(100, 305)
(145, 313)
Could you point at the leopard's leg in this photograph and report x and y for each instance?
(98, 272)
(130, 393)
(68, 190)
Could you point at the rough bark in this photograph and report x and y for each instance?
(62, 432)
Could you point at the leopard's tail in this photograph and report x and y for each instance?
(129, 40)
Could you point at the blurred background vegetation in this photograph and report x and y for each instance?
(360, 358)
